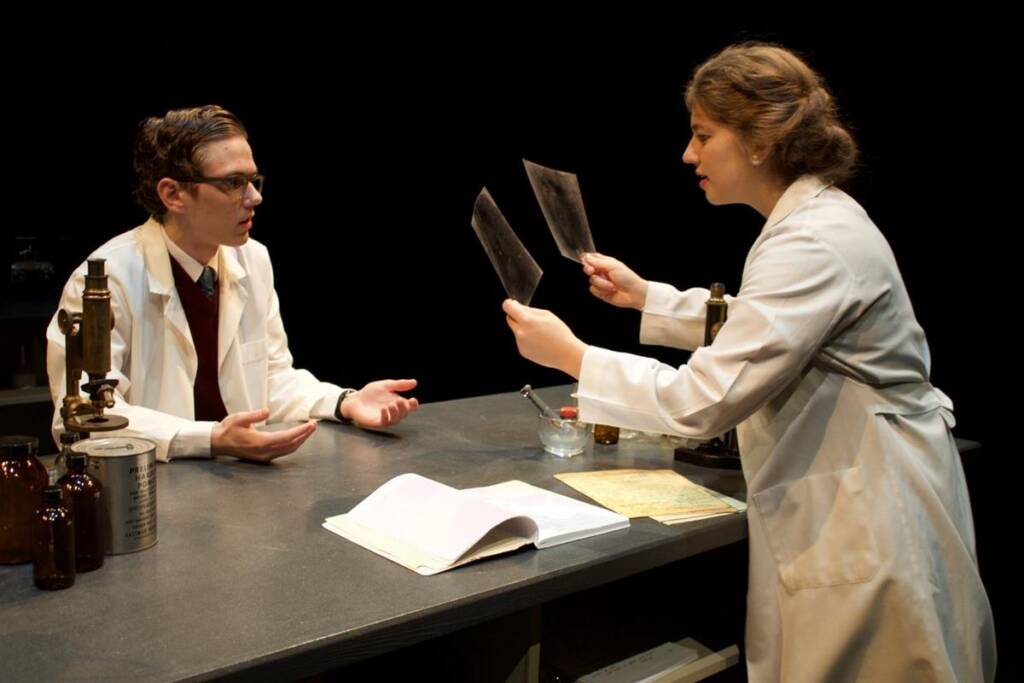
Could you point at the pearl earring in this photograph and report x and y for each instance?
(755, 161)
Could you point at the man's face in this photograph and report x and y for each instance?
(220, 213)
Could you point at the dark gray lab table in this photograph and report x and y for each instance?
(244, 583)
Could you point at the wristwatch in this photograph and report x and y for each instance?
(345, 393)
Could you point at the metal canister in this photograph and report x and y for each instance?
(126, 467)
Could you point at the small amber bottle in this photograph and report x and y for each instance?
(22, 480)
(60, 463)
(83, 496)
(54, 565)
(606, 434)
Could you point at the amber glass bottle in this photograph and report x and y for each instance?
(54, 557)
(22, 480)
(83, 496)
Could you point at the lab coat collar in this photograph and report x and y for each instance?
(803, 188)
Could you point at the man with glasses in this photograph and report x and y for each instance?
(198, 347)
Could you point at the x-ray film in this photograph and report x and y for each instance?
(558, 194)
(516, 269)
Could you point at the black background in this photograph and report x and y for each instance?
(375, 141)
(374, 156)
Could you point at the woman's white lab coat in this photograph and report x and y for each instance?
(862, 556)
(152, 353)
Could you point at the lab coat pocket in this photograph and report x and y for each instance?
(819, 530)
(254, 371)
(254, 351)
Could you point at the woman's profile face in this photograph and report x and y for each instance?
(725, 167)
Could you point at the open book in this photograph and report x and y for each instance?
(430, 527)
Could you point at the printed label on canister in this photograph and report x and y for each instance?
(126, 466)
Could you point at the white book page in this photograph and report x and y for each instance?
(505, 537)
(423, 522)
(559, 519)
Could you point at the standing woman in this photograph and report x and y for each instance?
(862, 554)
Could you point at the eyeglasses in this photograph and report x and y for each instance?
(236, 182)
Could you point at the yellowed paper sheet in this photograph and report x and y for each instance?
(645, 493)
(734, 505)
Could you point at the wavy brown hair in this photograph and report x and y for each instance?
(171, 146)
(773, 100)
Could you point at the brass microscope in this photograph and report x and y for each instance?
(87, 347)
(722, 451)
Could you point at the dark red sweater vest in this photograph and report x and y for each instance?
(203, 315)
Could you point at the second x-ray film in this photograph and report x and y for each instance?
(558, 194)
